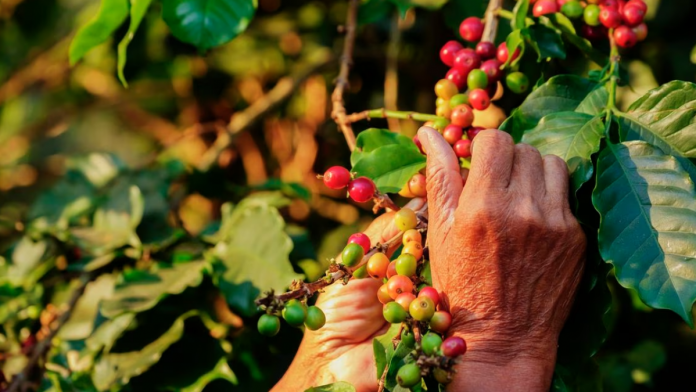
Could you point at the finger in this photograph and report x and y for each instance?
(491, 160)
(556, 179)
(528, 171)
(383, 228)
(444, 182)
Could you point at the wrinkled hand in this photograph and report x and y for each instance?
(506, 251)
(342, 349)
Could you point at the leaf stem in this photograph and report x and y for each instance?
(614, 59)
(384, 113)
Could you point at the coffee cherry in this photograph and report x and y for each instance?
(315, 318)
(440, 124)
(502, 53)
(352, 255)
(641, 32)
(471, 29)
(394, 313)
(405, 299)
(479, 99)
(517, 82)
(492, 69)
(448, 51)
(408, 338)
(430, 343)
(453, 346)
(422, 309)
(463, 115)
(452, 133)
(477, 79)
(415, 249)
(383, 294)
(405, 192)
(361, 189)
(593, 32)
(458, 100)
(443, 111)
(431, 293)
(405, 219)
(625, 37)
(361, 239)
(412, 235)
(442, 376)
(417, 184)
(609, 17)
(406, 265)
(466, 60)
(637, 3)
(360, 273)
(572, 9)
(418, 144)
(408, 375)
(398, 284)
(544, 7)
(445, 89)
(633, 14)
(591, 15)
(377, 265)
(268, 325)
(462, 148)
(485, 50)
(336, 177)
(441, 321)
(294, 314)
(391, 269)
(473, 131)
(456, 77)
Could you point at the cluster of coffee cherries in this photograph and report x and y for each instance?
(360, 189)
(407, 299)
(598, 16)
(296, 313)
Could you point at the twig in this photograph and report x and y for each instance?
(391, 78)
(491, 21)
(338, 112)
(383, 379)
(243, 120)
(41, 347)
(384, 113)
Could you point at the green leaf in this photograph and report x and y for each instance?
(383, 348)
(111, 15)
(340, 386)
(563, 24)
(71, 197)
(15, 299)
(208, 23)
(253, 253)
(520, 11)
(372, 11)
(106, 334)
(397, 360)
(221, 371)
(26, 257)
(81, 322)
(546, 42)
(374, 138)
(515, 41)
(118, 368)
(563, 93)
(391, 166)
(571, 136)
(146, 289)
(138, 8)
(99, 169)
(404, 5)
(647, 204)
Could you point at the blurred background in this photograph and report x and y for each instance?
(180, 100)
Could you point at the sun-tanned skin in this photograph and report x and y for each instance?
(506, 253)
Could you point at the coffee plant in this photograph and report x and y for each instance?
(148, 305)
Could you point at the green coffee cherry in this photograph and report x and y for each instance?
(352, 254)
(315, 318)
(430, 343)
(408, 375)
(268, 325)
(295, 314)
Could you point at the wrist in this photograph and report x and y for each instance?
(522, 374)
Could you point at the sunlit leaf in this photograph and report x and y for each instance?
(138, 8)
(391, 166)
(340, 386)
(112, 14)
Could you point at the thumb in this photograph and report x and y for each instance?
(444, 181)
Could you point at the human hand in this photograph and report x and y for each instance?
(507, 253)
(342, 349)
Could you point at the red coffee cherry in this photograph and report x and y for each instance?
(418, 144)
(492, 69)
(441, 321)
(457, 77)
(473, 131)
(431, 293)
(417, 184)
(641, 32)
(405, 299)
(544, 7)
(391, 269)
(398, 284)
(453, 133)
(471, 29)
(336, 177)
(502, 53)
(360, 239)
(466, 60)
(633, 14)
(462, 115)
(609, 17)
(485, 50)
(479, 99)
(462, 148)
(361, 189)
(625, 37)
(593, 32)
(453, 346)
(637, 3)
(448, 51)
(383, 294)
